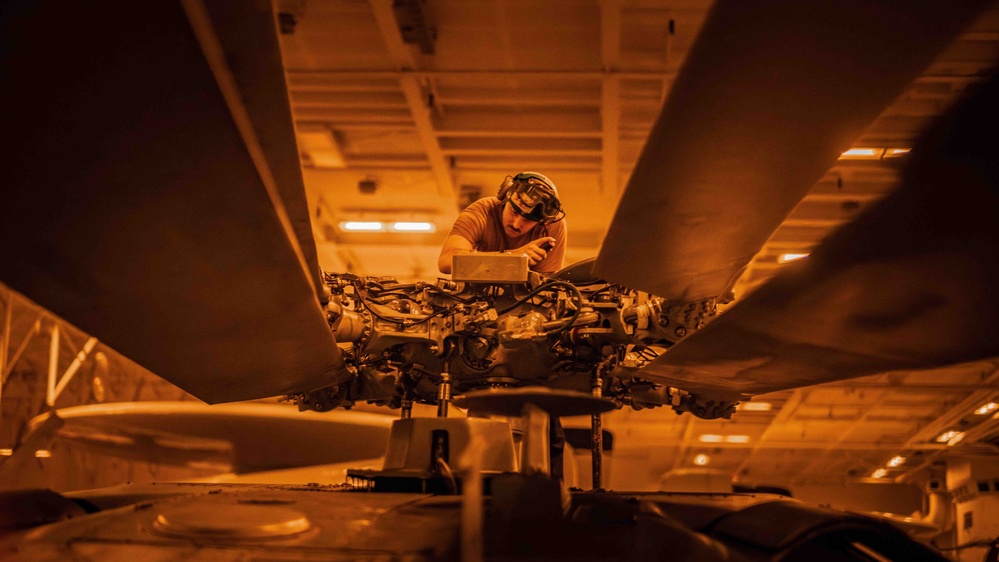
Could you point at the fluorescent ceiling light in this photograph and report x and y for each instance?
(947, 436)
(896, 461)
(712, 438)
(862, 153)
(6, 452)
(413, 227)
(756, 406)
(701, 460)
(879, 473)
(873, 153)
(987, 409)
(362, 226)
(784, 258)
(956, 439)
(43, 454)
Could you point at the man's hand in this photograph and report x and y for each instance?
(535, 250)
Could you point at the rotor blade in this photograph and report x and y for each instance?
(913, 283)
(769, 97)
(265, 96)
(252, 436)
(139, 202)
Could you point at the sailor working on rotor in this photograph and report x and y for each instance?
(525, 218)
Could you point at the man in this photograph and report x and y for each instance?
(524, 218)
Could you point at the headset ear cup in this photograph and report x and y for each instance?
(504, 189)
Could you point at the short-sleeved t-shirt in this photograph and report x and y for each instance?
(481, 223)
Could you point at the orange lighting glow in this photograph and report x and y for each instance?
(873, 153)
(413, 227)
(879, 473)
(362, 226)
(701, 460)
(862, 153)
(987, 409)
(784, 258)
(947, 436)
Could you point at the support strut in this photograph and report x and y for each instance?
(596, 433)
(443, 395)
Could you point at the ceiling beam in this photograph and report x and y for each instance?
(418, 104)
(836, 444)
(610, 96)
(786, 412)
(302, 78)
(503, 33)
(439, 163)
(401, 55)
(948, 420)
(610, 119)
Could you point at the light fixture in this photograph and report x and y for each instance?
(362, 226)
(6, 452)
(784, 258)
(956, 439)
(896, 461)
(43, 454)
(987, 409)
(873, 153)
(879, 473)
(947, 436)
(862, 153)
(701, 459)
(412, 226)
(756, 406)
(713, 438)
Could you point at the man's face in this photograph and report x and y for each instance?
(514, 221)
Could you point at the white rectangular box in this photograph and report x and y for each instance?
(489, 267)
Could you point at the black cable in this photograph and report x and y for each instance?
(403, 322)
(545, 286)
(434, 288)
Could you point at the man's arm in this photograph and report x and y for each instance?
(535, 250)
(555, 257)
(453, 244)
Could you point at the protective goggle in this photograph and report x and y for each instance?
(535, 199)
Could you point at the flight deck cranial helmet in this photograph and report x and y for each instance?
(537, 197)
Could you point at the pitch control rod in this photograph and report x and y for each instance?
(443, 395)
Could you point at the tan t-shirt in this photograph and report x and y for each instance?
(481, 223)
